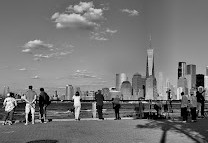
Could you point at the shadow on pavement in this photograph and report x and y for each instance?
(43, 141)
(197, 131)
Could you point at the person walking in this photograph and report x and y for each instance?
(9, 104)
(99, 99)
(44, 101)
(30, 99)
(116, 107)
(77, 105)
(184, 105)
(193, 105)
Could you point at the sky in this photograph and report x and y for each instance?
(52, 43)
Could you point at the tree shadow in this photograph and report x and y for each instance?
(197, 131)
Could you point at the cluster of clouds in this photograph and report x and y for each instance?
(85, 16)
(41, 50)
(130, 12)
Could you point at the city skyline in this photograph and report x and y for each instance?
(85, 43)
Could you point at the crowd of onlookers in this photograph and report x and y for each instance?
(30, 98)
(193, 103)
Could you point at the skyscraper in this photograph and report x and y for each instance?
(191, 70)
(151, 83)
(150, 63)
(69, 92)
(136, 83)
(206, 83)
(119, 79)
(181, 69)
(126, 90)
(161, 86)
(199, 80)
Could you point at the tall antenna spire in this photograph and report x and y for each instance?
(150, 41)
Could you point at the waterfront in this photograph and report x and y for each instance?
(61, 110)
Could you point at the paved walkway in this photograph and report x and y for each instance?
(126, 130)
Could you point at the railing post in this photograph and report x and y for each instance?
(93, 109)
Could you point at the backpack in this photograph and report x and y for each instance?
(47, 99)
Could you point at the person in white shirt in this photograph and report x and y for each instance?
(9, 103)
(77, 105)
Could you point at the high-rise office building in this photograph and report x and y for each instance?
(126, 90)
(69, 92)
(137, 83)
(199, 80)
(151, 83)
(206, 84)
(150, 63)
(191, 70)
(119, 79)
(181, 69)
(161, 86)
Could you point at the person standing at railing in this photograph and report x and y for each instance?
(184, 105)
(9, 103)
(99, 98)
(77, 105)
(30, 99)
(193, 105)
(116, 107)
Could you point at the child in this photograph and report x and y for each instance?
(184, 105)
(9, 104)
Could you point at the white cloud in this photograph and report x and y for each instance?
(36, 44)
(22, 69)
(111, 31)
(36, 77)
(83, 16)
(40, 50)
(81, 7)
(130, 12)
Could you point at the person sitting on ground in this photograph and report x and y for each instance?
(9, 104)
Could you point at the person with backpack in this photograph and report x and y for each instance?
(44, 101)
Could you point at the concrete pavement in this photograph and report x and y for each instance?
(107, 131)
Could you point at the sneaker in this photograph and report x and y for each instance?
(192, 121)
(184, 121)
(26, 124)
(33, 123)
(4, 123)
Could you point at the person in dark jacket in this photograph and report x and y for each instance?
(116, 107)
(99, 99)
(43, 103)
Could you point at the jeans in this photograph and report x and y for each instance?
(193, 113)
(8, 114)
(184, 113)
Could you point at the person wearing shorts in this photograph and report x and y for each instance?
(30, 99)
